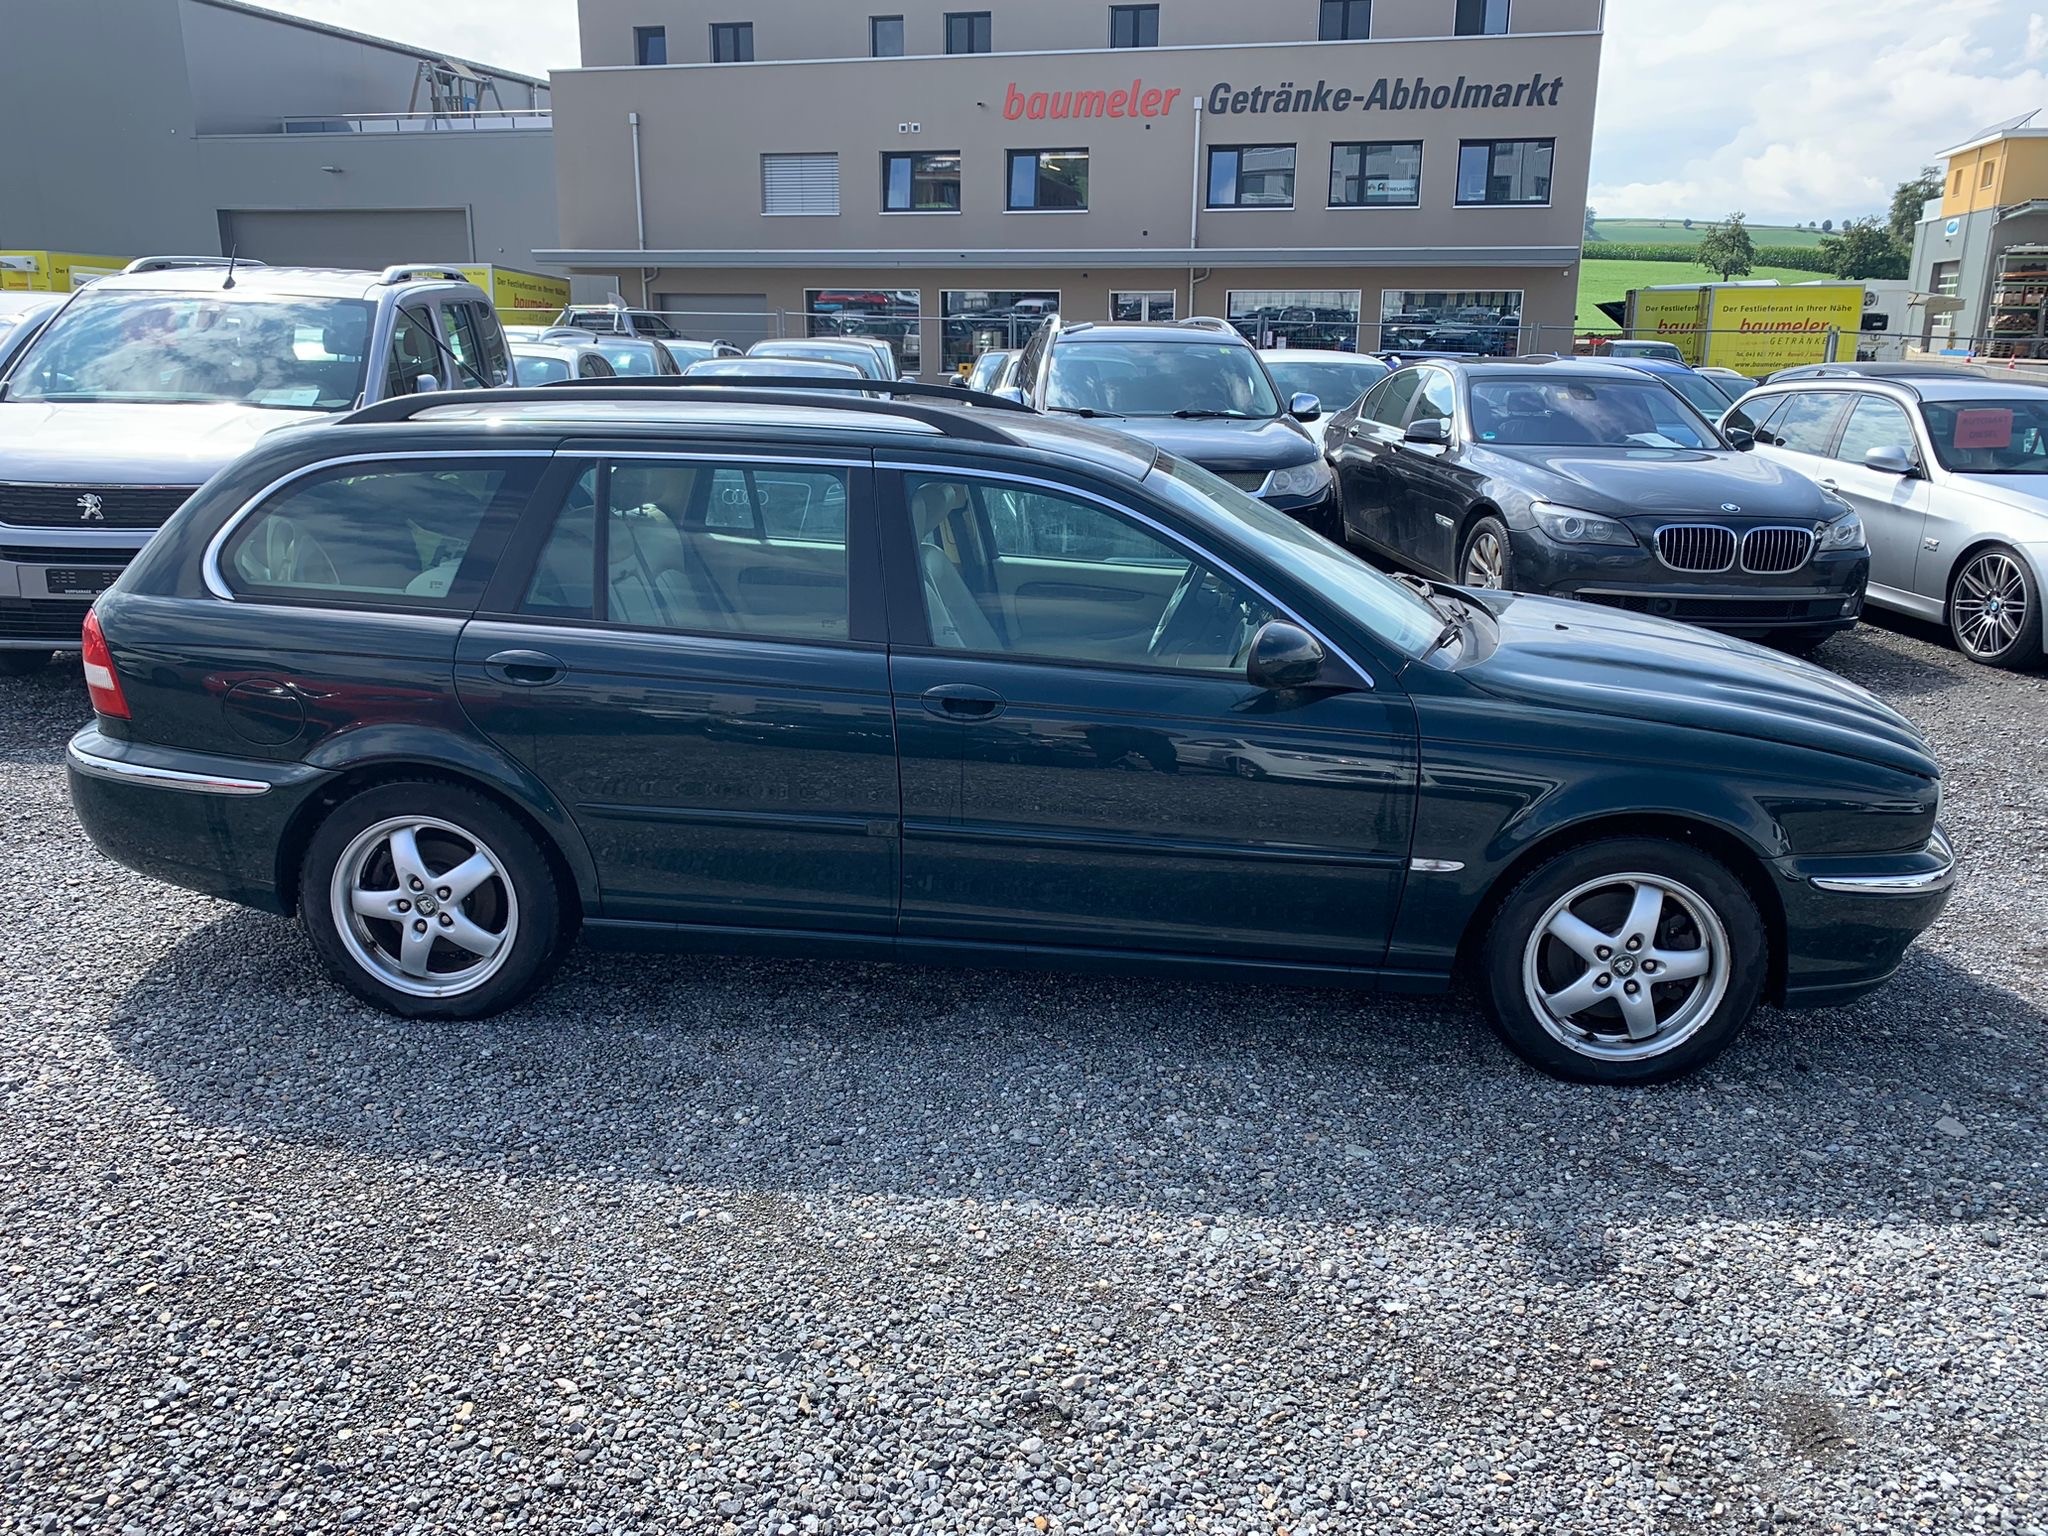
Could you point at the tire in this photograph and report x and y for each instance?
(1487, 552)
(23, 663)
(1526, 969)
(356, 853)
(1994, 609)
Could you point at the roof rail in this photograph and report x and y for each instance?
(952, 394)
(960, 424)
(1207, 322)
(187, 264)
(407, 272)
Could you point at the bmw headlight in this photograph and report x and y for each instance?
(1845, 532)
(1568, 525)
(1310, 479)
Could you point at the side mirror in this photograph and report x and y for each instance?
(425, 384)
(1741, 439)
(1283, 656)
(1304, 407)
(1889, 459)
(1435, 432)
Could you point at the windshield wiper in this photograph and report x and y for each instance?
(1456, 615)
(1210, 415)
(1088, 411)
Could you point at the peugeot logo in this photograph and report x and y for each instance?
(91, 509)
(1729, 506)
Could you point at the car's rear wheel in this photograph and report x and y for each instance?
(430, 901)
(1994, 609)
(1488, 560)
(23, 663)
(1628, 961)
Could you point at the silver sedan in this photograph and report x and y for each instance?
(1950, 474)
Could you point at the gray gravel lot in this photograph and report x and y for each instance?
(717, 1245)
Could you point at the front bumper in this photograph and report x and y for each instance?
(1824, 595)
(1850, 918)
(46, 590)
(1321, 513)
(211, 824)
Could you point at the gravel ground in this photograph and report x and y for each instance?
(735, 1246)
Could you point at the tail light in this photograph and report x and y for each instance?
(100, 682)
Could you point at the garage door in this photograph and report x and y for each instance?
(365, 240)
(740, 318)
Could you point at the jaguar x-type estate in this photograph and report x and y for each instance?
(453, 678)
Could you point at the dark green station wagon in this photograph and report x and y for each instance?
(737, 667)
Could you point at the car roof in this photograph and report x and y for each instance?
(1922, 386)
(1113, 331)
(1317, 355)
(268, 282)
(1535, 367)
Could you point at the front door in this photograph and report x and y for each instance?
(1893, 507)
(1084, 762)
(1363, 456)
(685, 659)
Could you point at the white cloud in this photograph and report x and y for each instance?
(531, 36)
(1799, 109)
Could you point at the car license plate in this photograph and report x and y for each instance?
(90, 582)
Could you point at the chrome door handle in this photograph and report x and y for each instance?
(525, 669)
(1827, 485)
(963, 702)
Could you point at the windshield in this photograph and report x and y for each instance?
(1583, 413)
(1701, 393)
(630, 360)
(285, 354)
(1732, 388)
(539, 367)
(1394, 613)
(1990, 437)
(1336, 384)
(861, 358)
(1159, 378)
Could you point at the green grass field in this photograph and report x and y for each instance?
(1609, 281)
(1674, 232)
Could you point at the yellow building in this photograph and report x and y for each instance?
(1980, 255)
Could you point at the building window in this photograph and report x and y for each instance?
(1295, 317)
(1375, 175)
(1486, 324)
(1346, 20)
(1148, 304)
(1482, 18)
(1948, 277)
(1989, 173)
(1134, 26)
(889, 315)
(650, 45)
(978, 320)
(1505, 172)
(800, 184)
(1957, 188)
(885, 37)
(1251, 176)
(921, 183)
(969, 32)
(1045, 179)
(732, 42)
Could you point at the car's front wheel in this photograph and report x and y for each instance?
(1488, 561)
(430, 901)
(1994, 609)
(1633, 960)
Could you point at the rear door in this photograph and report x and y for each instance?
(689, 654)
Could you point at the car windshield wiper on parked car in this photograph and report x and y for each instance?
(1084, 410)
(1456, 615)
(1211, 415)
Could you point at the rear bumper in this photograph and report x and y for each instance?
(211, 824)
(1849, 920)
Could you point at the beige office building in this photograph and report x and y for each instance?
(1356, 173)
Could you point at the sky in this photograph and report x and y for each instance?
(1787, 110)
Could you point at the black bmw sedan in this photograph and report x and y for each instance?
(1594, 481)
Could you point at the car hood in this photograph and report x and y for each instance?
(1225, 445)
(1580, 657)
(1621, 482)
(91, 443)
(2023, 493)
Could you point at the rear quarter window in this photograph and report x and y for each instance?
(395, 534)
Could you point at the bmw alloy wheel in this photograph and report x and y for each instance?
(1990, 610)
(424, 906)
(1626, 966)
(1486, 561)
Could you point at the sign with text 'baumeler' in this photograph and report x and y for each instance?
(1224, 99)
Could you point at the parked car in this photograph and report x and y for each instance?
(1732, 384)
(640, 356)
(147, 382)
(618, 320)
(987, 371)
(550, 362)
(1615, 350)
(1195, 388)
(21, 317)
(1336, 379)
(1703, 394)
(1950, 474)
(873, 358)
(1589, 480)
(426, 677)
(770, 368)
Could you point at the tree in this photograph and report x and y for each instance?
(1727, 249)
(1828, 225)
(1864, 250)
(1688, 223)
(1591, 232)
(1908, 201)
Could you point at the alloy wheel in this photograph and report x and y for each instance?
(424, 906)
(1626, 966)
(1486, 561)
(1990, 610)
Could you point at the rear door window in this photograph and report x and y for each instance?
(403, 535)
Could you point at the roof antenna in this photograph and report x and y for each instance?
(229, 281)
